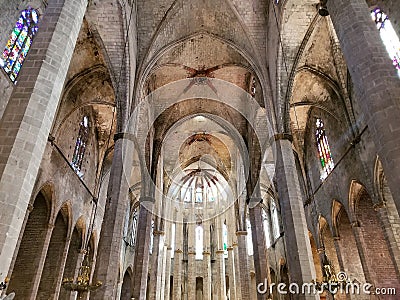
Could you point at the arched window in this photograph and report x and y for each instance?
(80, 146)
(20, 41)
(249, 238)
(388, 36)
(267, 228)
(275, 220)
(130, 228)
(186, 194)
(199, 195)
(133, 229)
(199, 242)
(324, 152)
(225, 239)
(253, 87)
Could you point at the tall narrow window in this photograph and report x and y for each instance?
(151, 237)
(173, 228)
(249, 239)
(20, 41)
(275, 220)
(199, 195)
(324, 152)
(80, 145)
(199, 242)
(388, 36)
(267, 228)
(133, 228)
(225, 239)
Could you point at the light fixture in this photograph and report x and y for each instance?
(82, 282)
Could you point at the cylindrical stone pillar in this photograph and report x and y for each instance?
(375, 81)
(299, 254)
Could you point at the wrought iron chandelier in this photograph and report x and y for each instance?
(82, 282)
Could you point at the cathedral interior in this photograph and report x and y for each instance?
(199, 149)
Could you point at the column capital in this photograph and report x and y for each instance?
(147, 199)
(283, 136)
(191, 253)
(242, 232)
(178, 251)
(206, 253)
(378, 206)
(30, 207)
(254, 201)
(158, 232)
(230, 248)
(123, 135)
(219, 252)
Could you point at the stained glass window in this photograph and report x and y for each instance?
(133, 228)
(324, 152)
(253, 87)
(225, 239)
(388, 36)
(199, 242)
(18, 44)
(80, 146)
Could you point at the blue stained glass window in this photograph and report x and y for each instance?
(388, 36)
(80, 146)
(324, 152)
(19, 43)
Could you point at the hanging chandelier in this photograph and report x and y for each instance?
(82, 282)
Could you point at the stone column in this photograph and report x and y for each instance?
(62, 267)
(167, 276)
(29, 114)
(191, 274)
(236, 264)
(142, 249)
(162, 273)
(110, 244)
(178, 257)
(42, 261)
(231, 269)
(207, 262)
(243, 263)
(220, 279)
(157, 259)
(375, 81)
(299, 254)
(219, 259)
(259, 247)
